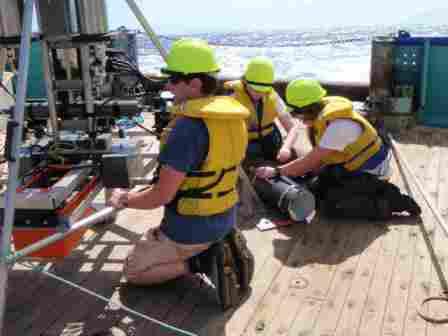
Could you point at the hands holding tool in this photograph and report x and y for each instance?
(267, 172)
(119, 199)
(284, 154)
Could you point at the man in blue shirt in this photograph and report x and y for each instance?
(199, 159)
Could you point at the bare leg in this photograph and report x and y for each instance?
(156, 259)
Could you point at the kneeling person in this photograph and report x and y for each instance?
(351, 159)
(256, 92)
(199, 170)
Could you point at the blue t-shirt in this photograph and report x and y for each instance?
(185, 150)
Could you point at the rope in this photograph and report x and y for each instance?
(167, 326)
(404, 167)
(259, 44)
(429, 318)
(7, 91)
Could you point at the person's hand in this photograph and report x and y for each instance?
(265, 172)
(119, 199)
(284, 154)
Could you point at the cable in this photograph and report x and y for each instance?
(410, 177)
(109, 301)
(146, 129)
(254, 43)
(55, 149)
(7, 91)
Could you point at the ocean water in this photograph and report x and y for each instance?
(328, 54)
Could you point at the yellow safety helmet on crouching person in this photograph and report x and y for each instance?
(259, 74)
(191, 56)
(304, 92)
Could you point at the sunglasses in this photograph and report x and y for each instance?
(176, 79)
(296, 112)
(301, 115)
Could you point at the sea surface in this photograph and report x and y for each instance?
(328, 54)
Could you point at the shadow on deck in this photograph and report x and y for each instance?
(337, 278)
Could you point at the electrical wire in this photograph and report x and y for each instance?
(109, 301)
(7, 91)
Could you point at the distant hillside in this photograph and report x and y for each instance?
(437, 16)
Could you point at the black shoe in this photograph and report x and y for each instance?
(244, 259)
(218, 264)
(406, 203)
(224, 277)
(203, 262)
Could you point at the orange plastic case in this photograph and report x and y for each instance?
(24, 237)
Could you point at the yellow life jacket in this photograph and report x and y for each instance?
(269, 110)
(356, 153)
(211, 189)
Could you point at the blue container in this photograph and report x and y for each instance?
(36, 82)
(423, 63)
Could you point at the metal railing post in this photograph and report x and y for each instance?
(13, 166)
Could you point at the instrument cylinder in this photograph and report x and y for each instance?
(10, 18)
(290, 197)
(64, 18)
(92, 17)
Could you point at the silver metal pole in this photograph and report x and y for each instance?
(3, 58)
(50, 90)
(87, 81)
(83, 223)
(13, 166)
(152, 35)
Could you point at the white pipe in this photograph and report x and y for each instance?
(51, 98)
(3, 58)
(83, 223)
(13, 166)
(152, 35)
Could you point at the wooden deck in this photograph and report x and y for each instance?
(325, 279)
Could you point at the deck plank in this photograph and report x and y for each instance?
(309, 286)
(357, 297)
(421, 268)
(234, 321)
(362, 280)
(397, 300)
(443, 182)
(373, 315)
(320, 314)
(440, 240)
(295, 273)
(95, 274)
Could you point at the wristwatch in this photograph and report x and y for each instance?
(277, 172)
(126, 202)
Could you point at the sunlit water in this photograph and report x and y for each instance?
(336, 54)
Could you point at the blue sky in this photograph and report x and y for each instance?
(182, 16)
(211, 15)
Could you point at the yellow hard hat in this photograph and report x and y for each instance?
(259, 74)
(191, 56)
(304, 92)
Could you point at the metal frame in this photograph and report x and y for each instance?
(13, 169)
(6, 258)
(151, 34)
(3, 58)
(424, 79)
(50, 89)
